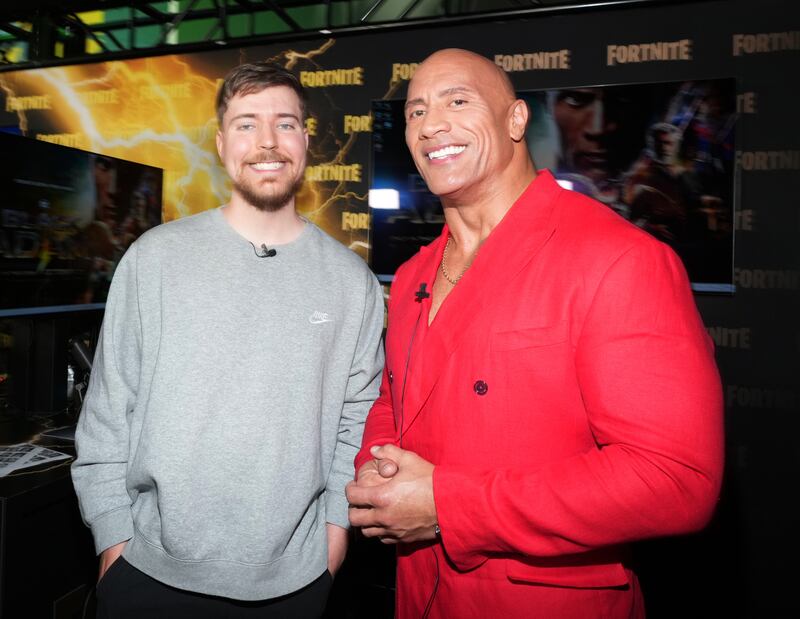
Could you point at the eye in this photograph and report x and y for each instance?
(458, 102)
(418, 113)
(287, 126)
(577, 99)
(245, 126)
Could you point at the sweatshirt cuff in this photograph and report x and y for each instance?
(112, 528)
(336, 509)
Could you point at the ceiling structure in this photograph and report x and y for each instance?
(36, 33)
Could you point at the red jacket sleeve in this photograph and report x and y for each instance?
(380, 425)
(379, 429)
(653, 402)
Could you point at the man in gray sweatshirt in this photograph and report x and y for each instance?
(239, 355)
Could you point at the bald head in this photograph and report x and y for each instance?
(484, 69)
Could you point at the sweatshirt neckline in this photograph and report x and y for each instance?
(285, 249)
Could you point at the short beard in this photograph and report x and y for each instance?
(271, 202)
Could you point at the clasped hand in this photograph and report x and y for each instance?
(392, 498)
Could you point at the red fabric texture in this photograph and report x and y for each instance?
(601, 422)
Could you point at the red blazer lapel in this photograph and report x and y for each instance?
(515, 241)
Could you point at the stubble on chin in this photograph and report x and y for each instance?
(267, 202)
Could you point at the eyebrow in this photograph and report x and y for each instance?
(279, 115)
(442, 93)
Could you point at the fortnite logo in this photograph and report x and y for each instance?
(649, 52)
(766, 42)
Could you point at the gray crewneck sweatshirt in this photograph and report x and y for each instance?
(226, 406)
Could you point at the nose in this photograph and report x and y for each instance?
(600, 122)
(267, 138)
(432, 123)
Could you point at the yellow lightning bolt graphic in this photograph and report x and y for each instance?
(292, 57)
(160, 112)
(23, 120)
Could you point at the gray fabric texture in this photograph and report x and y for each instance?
(226, 406)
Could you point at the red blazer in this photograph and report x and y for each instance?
(567, 394)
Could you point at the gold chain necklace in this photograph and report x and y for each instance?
(443, 268)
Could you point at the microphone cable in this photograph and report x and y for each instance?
(405, 377)
(419, 299)
(429, 605)
(408, 359)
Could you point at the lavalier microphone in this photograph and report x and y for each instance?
(265, 252)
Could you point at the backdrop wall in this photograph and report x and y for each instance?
(159, 111)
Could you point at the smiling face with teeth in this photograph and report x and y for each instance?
(463, 126)
(262, 143)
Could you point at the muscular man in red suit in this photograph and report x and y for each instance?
(552, 399)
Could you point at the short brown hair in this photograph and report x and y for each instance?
(254, 77)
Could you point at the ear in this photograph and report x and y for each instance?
(219, 143)
(518, 120)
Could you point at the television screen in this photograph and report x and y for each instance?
(66, 218)
(661, 155)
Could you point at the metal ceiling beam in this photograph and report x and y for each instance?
(14, 10)
(375, 5)
(409, 8)
(284, 15)
(20, 33)
(250, 9)
(157, 15)
(176, 21)
(45, 20)
(221, 22)
(73, 20)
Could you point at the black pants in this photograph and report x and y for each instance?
(126, 593)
